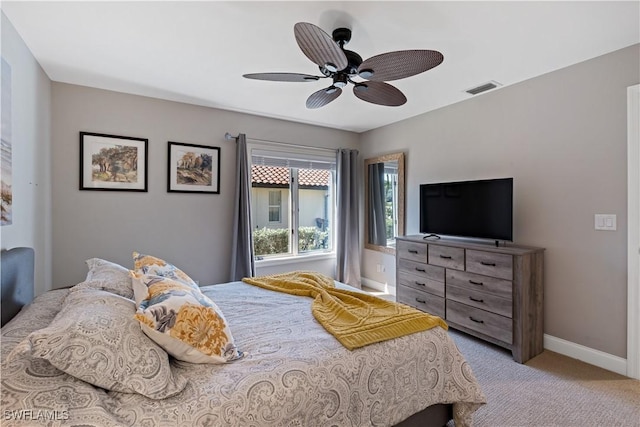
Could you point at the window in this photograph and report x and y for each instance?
(292, 196)
(275, 205)
(391, 202)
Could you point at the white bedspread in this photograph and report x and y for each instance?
(295, 374)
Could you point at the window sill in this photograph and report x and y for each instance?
(294, 259)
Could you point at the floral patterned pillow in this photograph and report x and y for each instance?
(184, 322)
(148, 264)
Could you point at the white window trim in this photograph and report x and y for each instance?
(293, 259)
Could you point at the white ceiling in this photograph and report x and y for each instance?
(197, 52)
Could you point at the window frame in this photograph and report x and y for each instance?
(294, 254)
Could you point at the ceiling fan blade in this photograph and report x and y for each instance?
(399, 64)
(323, 97)
(379, 93)
(282, 77)
(319, 47)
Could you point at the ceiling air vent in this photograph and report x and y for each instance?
(483, 87)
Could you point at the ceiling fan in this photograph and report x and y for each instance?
(344, 66)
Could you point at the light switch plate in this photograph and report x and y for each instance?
(605, 222)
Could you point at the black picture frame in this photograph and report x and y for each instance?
(193, 168)
(113, 162)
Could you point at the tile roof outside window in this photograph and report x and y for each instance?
(276, 175)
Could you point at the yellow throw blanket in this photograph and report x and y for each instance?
(356, 319)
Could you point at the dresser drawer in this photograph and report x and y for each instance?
(479, 299)
(423, 301)
(411, 250)
(498, 287)
(432, 272)
(421, 283)
(490, 264)
(493, 325)
(446, 256)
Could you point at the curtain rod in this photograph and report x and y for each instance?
(230, 137)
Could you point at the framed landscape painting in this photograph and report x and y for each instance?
(110, 162)
(193, 168)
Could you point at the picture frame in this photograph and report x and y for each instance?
(113, 163)
(193, 168)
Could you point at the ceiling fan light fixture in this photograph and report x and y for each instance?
(330, 66)
(340, 80)
(360, 87)
(366, 74)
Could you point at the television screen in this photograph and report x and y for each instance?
(479, 209)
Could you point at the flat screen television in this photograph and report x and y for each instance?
(476, 209)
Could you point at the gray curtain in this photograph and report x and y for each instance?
(242, 255)
(377, 219)
(348, 232)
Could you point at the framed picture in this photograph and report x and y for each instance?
(193, 168)
(110, 162)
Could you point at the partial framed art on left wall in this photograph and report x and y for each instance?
(111, 162)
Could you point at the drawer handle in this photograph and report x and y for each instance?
(476, 283)
(413, 251)
(476, 300)
(422, 270)
(489, 264)
(420, 284)
(445, 256)
(420, 300)
(476, 320)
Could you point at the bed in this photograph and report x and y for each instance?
(293, 373)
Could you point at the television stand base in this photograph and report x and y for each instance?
(435, 236)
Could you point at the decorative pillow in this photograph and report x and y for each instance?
(96, 339)
(148, 264)
(183, 321)
(115, 278)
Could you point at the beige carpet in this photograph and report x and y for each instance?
(549, 390)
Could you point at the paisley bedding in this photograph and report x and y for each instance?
(293, 374)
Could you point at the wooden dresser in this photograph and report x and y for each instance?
(493, 293)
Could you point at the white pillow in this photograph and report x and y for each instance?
(114, 277)
(95, 338)
(183, 321)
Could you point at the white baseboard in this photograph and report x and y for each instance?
(378, 286)
(593, 357)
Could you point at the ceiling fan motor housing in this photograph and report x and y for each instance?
(341, 36)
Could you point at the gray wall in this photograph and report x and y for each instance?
(31, 162)
(563, 137)
(190, 230)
